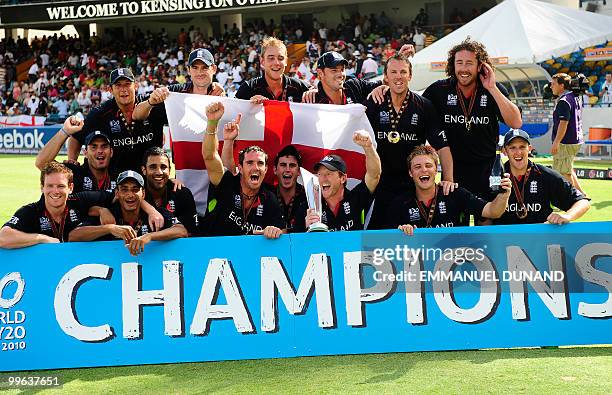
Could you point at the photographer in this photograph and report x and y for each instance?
(567, 127)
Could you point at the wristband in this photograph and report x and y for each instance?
(211, 133)
(212, 123)
(65, 132)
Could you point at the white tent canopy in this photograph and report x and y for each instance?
(523, 31)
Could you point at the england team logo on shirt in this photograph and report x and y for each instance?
(414, 214)
(144, 229)
(442, 207)
(44, 223)
(170, 206)
(237, 201)
(415, 119)
(115, 126)
(87, 184)
(384, 117)
(483, 101)
(73, 216)
(259, 211)
(533, 187)
(347, 208)
(451, 100)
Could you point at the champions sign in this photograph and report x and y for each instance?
(204, 299)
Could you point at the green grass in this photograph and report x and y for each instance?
(565, 370)
(584, 370)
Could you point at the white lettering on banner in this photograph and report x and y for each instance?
(123, 8)
(13, 277)
(220, 273)
(585, 266)
(489, 292)
(316, 278)
(553, 295)
(354, 294)
(134, 298)
(28, 140)
(460, 119)
(65, 298)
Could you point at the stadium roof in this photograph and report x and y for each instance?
(523, 32)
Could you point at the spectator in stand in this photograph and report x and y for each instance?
(419, 40)
(605, 91)
(369, 67)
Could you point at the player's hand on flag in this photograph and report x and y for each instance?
(158, 95)
(310, 95)
(258, 99)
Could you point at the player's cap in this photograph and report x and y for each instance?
(94, 135)
(332, 162)
(130, 174)
(331, 59)
(201, 54)
(514, 133)
(123, 72)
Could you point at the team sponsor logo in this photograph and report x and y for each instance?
(44, 223)
(384, 117)
(170, 206)
(259, 211)
(483, 101)
(415, 119)
(451, 100)
(175, 221)
(144, 229)
(237, 201)
(443, 134)
(73, 216)
(13, 221)
(442, 207)
(145, 122)
(533, 187)
(347, 208)
(115, 126)
(113, 185)
(87, 184)
(461, 119)
(349, 101)
(413, 213)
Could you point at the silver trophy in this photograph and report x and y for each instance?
(314, 199)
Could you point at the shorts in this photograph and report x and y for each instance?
(563, 162)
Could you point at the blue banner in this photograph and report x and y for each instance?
(205, 299)
(26, 140)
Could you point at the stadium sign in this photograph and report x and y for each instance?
(203, 299)
(26, 140)
(90, 11)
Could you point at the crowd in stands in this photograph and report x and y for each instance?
(70, 74)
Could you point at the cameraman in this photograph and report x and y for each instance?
(567, 128)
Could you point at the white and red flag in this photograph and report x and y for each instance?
(315, 130)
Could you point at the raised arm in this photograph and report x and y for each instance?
(509, 111)
(231, 130)
(48, 153)
(373, 165)
(210, 145)
(143, 109)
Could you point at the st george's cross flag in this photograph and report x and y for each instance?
(315, 130)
